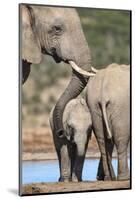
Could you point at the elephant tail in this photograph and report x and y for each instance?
(105, 118)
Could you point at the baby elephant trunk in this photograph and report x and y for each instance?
(80, 141)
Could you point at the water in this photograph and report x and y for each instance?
(48, 171)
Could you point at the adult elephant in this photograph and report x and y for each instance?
(108, 98)
(58, 33)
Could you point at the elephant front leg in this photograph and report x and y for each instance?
(65, 164)
(79, 161)
(77, 169)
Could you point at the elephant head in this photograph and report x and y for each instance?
(78, 124)
(58, 33)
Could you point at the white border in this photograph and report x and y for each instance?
(9, 97)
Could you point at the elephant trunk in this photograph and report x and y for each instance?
(74, 88)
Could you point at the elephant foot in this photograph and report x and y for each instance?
(107, 178)
(64, 179)
(100, 177)
(123, 177)
(74, 178)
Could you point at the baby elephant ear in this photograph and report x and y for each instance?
(30, 47)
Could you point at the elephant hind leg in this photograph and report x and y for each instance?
(109, 149)
(121, 138)
(100, 171)
(123, 170)
(103, 168)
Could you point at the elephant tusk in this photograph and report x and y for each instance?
(94, 69)
(79, 70)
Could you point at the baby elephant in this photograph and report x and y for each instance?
(71, 149)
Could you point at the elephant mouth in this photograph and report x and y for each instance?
(74, 66)
(57, 58)
(52, 53)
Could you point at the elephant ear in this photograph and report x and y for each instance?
(31, 50)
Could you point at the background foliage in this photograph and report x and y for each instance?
(108, 35)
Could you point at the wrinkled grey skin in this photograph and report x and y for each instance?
(58, 33)
(108, 98)
(71, 150)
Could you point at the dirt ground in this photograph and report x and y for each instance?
(45, 188)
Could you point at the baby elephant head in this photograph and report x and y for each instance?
(78, 124)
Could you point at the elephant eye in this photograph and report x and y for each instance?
(56, 30)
